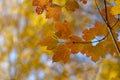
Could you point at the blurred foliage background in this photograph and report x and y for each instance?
(21, 58)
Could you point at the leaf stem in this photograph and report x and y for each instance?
(87, 42)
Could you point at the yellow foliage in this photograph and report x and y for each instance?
(109, 69)
(115, 9)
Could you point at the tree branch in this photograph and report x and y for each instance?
(110, 30)
(100, 12)
(88, 42)
(115, 23)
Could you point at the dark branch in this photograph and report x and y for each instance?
(115, 23)
(110, 30)
(100, 12)
(88, 42)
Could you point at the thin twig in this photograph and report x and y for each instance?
(110, 30)
(100, 11)
(87, 42)
(106, 12)
(115, 23)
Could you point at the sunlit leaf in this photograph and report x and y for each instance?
(41, 3)
(115, 9)
(53, 11)
(74, 44)
(50, 42)
(62, 53)
(95, 52)
(64, 28)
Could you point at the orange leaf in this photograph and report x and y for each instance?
(95, 52)
(39, 10)
(50, 42)
(61, 53)
(111, 18)
(109, 45)
(64, 28)
(84, 1)
(89, 34)
(41, 3)
(98, 30)
(74, 44)
(53, 11)
(71, 5)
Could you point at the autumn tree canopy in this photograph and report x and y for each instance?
(63, 42)
(59, 40)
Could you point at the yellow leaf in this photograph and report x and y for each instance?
(115, 9)
(50, 42)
